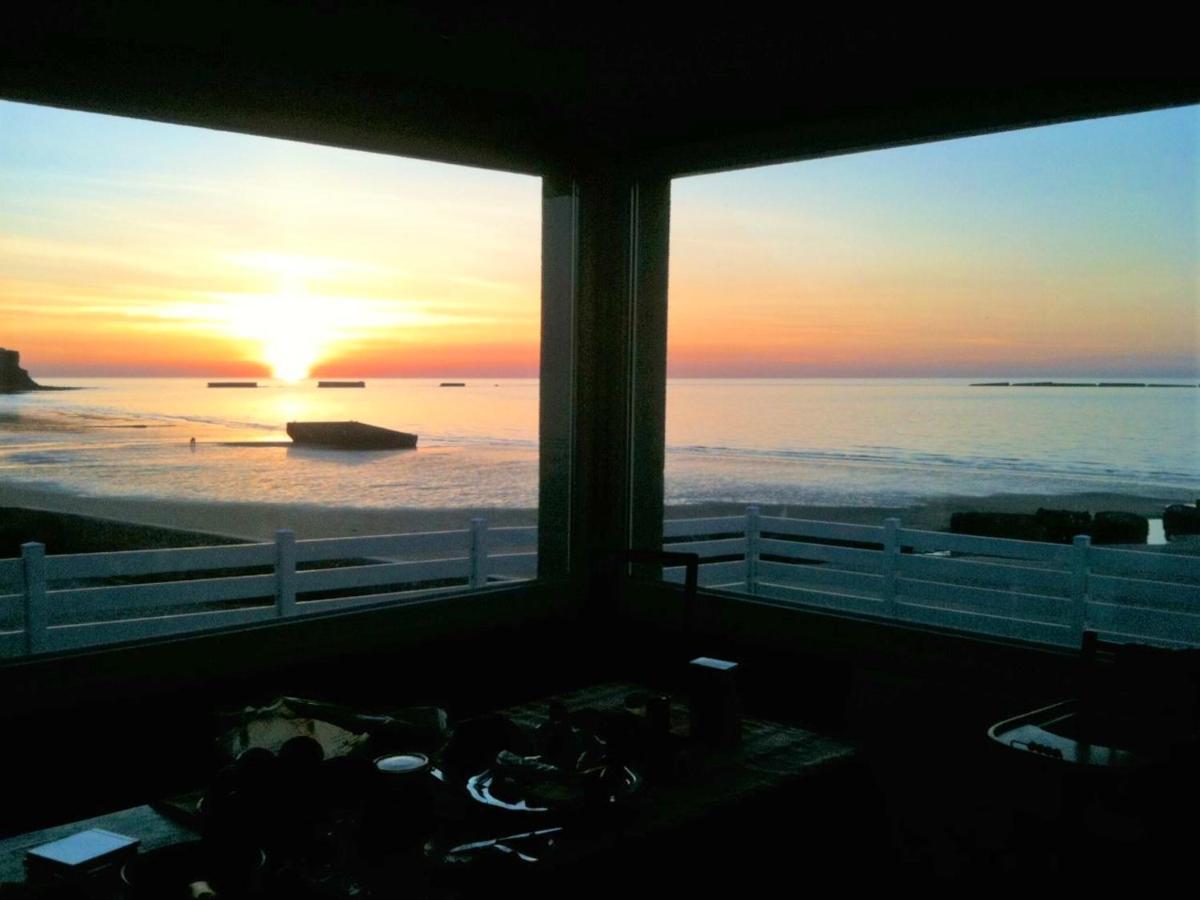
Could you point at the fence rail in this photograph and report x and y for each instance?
(1048, 593)
(1030, 591)
(68, 601)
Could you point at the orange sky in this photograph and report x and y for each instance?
(136, 248)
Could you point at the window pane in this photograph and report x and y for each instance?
(948, 335)
(146, 265)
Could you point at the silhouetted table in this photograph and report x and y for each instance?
(772, 756)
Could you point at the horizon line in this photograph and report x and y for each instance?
(1175, 376)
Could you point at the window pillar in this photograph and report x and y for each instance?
(604, 280)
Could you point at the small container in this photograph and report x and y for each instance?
(658, 715)
(406, 783)
(714, 709)
(556, 740)
(635, 702)
(402, 814)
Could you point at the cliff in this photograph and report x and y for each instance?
(12, 377)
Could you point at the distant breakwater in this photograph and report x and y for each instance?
(1079, 384)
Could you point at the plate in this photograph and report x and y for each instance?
(493, 789)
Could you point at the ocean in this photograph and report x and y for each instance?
(843, 442)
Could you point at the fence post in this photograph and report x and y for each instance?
(1079, 584)
(752, 537)
(478, 576)
(285, 572)
(37, 612)
(891, 564)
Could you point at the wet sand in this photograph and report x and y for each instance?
(259, 521)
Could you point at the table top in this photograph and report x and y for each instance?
(771, 755)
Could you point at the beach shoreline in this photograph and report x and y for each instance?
(258, 521)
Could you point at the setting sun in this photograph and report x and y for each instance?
(292, 329)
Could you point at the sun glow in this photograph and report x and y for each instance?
(309, 321)
(134, 248)
(293, 330)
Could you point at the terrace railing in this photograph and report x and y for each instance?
(63, 602)
(1047, 593)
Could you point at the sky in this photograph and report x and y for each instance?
(138, 248)
(1070, 249)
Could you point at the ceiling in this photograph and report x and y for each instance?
(529, 88)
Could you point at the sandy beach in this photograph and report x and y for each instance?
(259, 521)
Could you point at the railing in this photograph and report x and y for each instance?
(1047, 593)
(63, 602)
(1040, 592)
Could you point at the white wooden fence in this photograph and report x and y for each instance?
(1048, 593)
(62, 602)
(1039, 592)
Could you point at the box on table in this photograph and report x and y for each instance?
(79, 855)
(715, 716)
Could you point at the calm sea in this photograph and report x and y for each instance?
(838, 441)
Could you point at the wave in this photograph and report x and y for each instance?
(894, 456)
(199, 420)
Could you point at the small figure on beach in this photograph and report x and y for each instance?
(192, 444)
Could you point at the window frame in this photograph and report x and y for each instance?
(743, 613)
(603, 340)
(557, 423)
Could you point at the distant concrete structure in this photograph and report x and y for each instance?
(349, 436)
